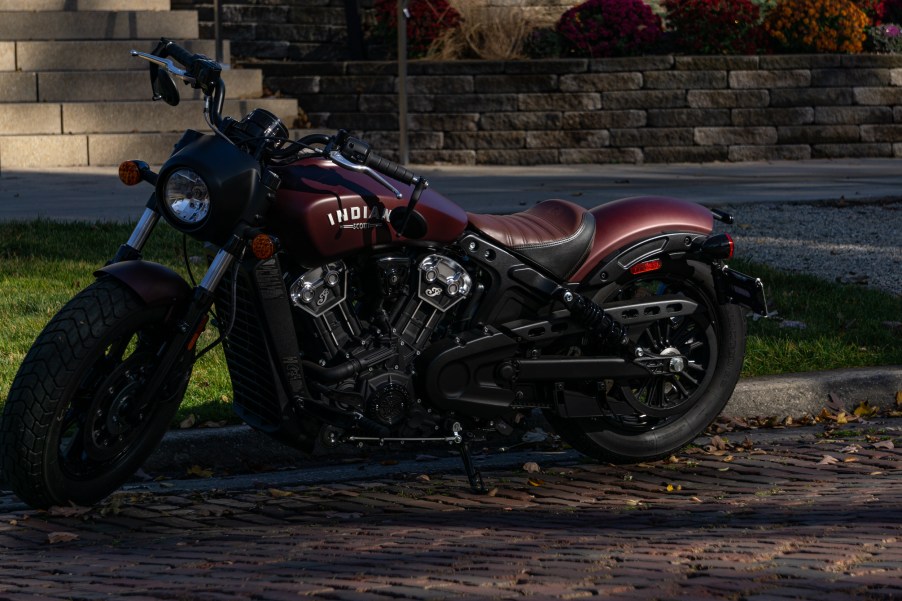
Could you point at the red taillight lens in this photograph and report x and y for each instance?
(645, 267)
(719, 247)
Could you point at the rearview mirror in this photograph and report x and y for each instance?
(163, 87)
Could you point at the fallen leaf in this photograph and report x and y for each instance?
(188, 422)
(14, 522)
(884, 444)
(728, 458)
(865, 409)
(828, 460)
(68, 511)
(697, 500)
(852, 448)
(634, 502)
(672, 487)
(279, 494)
(899, 399)
(841, 419)
(531, 467)
(718, 443)
(492, 492)
(850, 460)
(61, 537)
(535, 482)
(196, 470)
(423, 478)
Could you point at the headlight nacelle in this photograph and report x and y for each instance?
(208, 186)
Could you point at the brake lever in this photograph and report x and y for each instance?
(337, 158)
(166, 64)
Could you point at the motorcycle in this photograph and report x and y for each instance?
(357, 306)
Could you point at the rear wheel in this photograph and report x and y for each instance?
(649, 418)
(77, 423)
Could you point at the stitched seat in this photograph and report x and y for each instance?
(554, 234)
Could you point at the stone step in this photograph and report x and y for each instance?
(90, 149)
(126, 25)
(82, 5)
(88, 86)
(125, 117)
(89, 55)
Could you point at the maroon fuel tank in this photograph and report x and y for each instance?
(323, 212)
(628, 220)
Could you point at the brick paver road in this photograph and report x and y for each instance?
(798, 517)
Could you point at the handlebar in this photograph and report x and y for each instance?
(359, 152)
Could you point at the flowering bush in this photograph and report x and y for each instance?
(598, 28)
(886, 38)
(714, 26)
(428, 20)
(817, 26)
(874, 9)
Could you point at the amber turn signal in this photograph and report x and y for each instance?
(130, 173)
(263, 246)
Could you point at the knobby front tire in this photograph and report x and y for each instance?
(76, 424)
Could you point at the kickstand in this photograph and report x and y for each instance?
(473, 475)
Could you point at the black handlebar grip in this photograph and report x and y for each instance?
(390, 168)
(180, 54)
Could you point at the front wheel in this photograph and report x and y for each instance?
(650, 418)
(78, 421)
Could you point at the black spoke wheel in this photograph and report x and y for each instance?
(79, 420)
(648, 418)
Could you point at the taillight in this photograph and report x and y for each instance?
(645, 267)
(719, 247)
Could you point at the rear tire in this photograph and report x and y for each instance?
(76, 425)
(679, 407)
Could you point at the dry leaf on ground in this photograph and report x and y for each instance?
(884, 444)
(828, 460)
(531, 467)
(61, 537)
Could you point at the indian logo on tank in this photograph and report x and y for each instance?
(359, 218)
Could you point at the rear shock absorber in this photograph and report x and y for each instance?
(594, 318)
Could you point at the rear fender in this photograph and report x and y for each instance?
(630, 230)
(152, 282)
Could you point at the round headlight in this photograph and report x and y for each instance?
(187, 197)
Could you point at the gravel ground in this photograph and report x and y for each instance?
(853, 242)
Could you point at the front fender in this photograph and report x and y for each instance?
(625, 222)
(152, 282)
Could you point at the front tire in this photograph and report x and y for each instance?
(652, 418)
(77, 423)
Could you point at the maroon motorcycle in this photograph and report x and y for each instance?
(357, 306)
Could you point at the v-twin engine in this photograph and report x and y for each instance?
(366, 325)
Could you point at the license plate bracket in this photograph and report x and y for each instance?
(743, 290)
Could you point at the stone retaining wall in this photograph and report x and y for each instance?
(628, 110)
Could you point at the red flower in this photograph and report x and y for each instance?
(600, 28)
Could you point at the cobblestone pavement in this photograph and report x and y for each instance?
(749, 516)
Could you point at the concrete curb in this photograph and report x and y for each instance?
(240, 448)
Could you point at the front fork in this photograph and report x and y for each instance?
(193, 319)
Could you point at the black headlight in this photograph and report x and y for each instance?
(207, 187)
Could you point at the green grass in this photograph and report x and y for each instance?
(844, 325)
(43, 264)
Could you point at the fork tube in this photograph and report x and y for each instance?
(132, 249)
(143, 229)
(217, 270)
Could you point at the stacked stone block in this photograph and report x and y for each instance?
(627, 110)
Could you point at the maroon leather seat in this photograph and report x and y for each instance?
(555, 234)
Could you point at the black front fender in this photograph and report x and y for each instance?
(152, 282)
